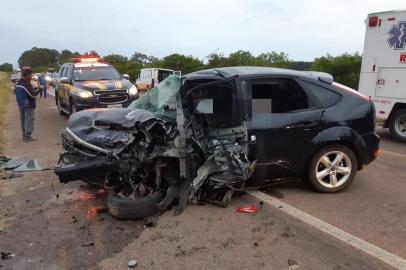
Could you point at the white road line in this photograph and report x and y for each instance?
(392, 153)
(377, 252)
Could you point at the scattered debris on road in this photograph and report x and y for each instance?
(13, 167)
(132, 263)
(247, 209)
(90, 244)
(292, 264)
(6, 255)
(151, 221)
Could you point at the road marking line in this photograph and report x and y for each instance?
(377, 252)
(392, 153)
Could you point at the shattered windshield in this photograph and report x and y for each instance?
(160, 100)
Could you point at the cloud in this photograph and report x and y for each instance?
(303, 29)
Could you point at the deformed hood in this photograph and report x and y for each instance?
(108, 128)
(115, 118)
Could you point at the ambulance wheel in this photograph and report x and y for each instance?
(397, 125)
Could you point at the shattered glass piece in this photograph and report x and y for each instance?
(160, 100)
(15, 162)
(29, 166)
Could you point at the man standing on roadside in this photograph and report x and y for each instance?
(25, 95)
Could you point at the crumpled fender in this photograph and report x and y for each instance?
(342, 134)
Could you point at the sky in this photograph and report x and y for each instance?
(303, 29)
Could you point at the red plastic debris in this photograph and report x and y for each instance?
(91, 213)
(247, 209)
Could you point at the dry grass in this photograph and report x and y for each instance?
(5, 90)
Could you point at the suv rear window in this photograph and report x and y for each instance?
(326, 97)
(284, 95)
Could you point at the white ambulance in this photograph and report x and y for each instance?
(149, 77)
(383, 69)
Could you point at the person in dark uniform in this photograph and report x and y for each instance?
(26, 101)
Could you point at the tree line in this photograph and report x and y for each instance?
(345, 68)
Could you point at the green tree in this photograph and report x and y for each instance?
(66, 56)
(241, 58)
(272, 59)
(6, 67)
(181, 62)
(216, 60)
(123, 65)
(300, 65)
(142, 58)
(345, 68)
(92, 53)
(245, 58)
(40, 59)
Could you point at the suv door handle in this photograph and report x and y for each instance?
(304, 124)
(307, 124)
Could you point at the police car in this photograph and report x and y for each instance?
(89, 82)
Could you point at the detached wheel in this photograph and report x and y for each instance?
(397, 125)
(126, 208)
(332, 169)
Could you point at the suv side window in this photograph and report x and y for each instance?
(69, 72)
(326, 97)
(282, 95)
(62, 72)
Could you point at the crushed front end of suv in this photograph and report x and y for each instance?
(198, 138)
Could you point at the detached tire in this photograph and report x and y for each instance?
(332, 169)
(397, 125)
(125, 208)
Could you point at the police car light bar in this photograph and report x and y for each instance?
(84, 59)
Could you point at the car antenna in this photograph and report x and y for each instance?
(219, 73)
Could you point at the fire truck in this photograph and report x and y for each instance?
(383, 69)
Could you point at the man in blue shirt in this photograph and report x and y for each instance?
(43, 85)
(26, 101)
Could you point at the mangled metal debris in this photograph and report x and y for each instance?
(182, 142)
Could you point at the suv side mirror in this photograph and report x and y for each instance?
(126, 76)
(65, 80)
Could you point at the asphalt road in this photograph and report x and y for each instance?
(46, 225)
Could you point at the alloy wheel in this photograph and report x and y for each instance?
(333, 169)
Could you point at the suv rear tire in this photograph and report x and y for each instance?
(397, 125)
(332, 169)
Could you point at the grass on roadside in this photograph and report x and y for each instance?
(5, 89)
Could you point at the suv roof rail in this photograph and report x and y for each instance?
(322, 76)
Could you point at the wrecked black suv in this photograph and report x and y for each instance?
(201, 137)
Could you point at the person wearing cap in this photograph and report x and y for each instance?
(26, 101)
